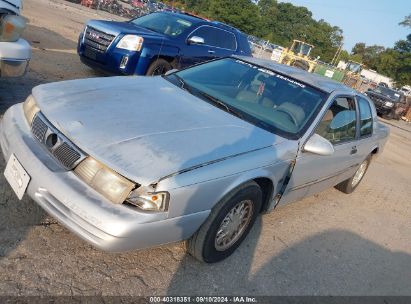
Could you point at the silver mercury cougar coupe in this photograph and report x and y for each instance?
(132, 162)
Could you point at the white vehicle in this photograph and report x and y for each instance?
(15, 52)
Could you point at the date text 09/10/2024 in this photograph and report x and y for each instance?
(203, 299)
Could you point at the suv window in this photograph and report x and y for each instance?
(365, 116)
(215, 37)
(339, 122)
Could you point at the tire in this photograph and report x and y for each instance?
(349, 185)
(158, 67)
(203, 245)
(389, 115)
(301, 65)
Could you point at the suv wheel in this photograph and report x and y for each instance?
(228, 224)
(158, 67)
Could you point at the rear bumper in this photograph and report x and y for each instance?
(82, 210)
(14, 58)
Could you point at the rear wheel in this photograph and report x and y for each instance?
(349, 185)
(158, 67)
(228, 224)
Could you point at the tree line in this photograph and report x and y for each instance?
(281, 22)
(394, 62)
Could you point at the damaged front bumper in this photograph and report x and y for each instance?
(82, 210)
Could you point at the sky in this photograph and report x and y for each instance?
(369, 21)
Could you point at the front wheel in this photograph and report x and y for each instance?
(228, 224)
(349, 185)
(158, 67)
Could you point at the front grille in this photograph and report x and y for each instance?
(65, 152)
(97, 39)
(39, 128)
(66, 155)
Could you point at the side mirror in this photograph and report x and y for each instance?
(318, 145)
(170, 72)
(195, 40)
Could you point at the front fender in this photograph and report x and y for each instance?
(200, 189)
(153, 51)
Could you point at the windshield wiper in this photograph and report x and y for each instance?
(219, 103)
(197, 92)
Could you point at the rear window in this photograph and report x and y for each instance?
(365, 116)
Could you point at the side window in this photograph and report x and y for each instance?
(215, 37)
(339, 122)
(365, 116)
(226, 40)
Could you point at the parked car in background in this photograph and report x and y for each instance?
(156, 43)
(133, 162)
(15, 52)
(390, 104)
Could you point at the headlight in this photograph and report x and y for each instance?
(131, 43)
(11, 28)
(154, 201)
(30, 109)
(389, 103)
(104, 180)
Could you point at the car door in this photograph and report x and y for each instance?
(314, 173)
(194, 53)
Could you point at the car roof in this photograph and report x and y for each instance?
(323, 83)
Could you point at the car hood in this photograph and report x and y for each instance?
(116, 28)
(381, 96)
(146, 128)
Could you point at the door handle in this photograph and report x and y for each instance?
(211, 51)
(353, 150)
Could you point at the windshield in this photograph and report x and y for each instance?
(388, 92)
(301, 48)
(263, 97)
(168, 24)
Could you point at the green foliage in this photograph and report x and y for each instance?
(406, 22)
(281, 22)
(278, 22)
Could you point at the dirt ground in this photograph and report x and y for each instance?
(328, 244)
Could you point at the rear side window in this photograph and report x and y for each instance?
(365, 116)
(215, 37)
(339, 122)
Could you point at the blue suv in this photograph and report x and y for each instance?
(156, 43)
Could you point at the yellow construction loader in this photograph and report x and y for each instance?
(298, 55)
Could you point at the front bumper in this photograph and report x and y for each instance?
(111, 60)
(81, 209)
(383, 110)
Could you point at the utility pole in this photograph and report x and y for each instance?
(337, 53)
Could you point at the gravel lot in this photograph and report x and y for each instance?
(328, 244)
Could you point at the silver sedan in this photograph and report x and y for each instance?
(132, 162)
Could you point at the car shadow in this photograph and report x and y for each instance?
(335, 262)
